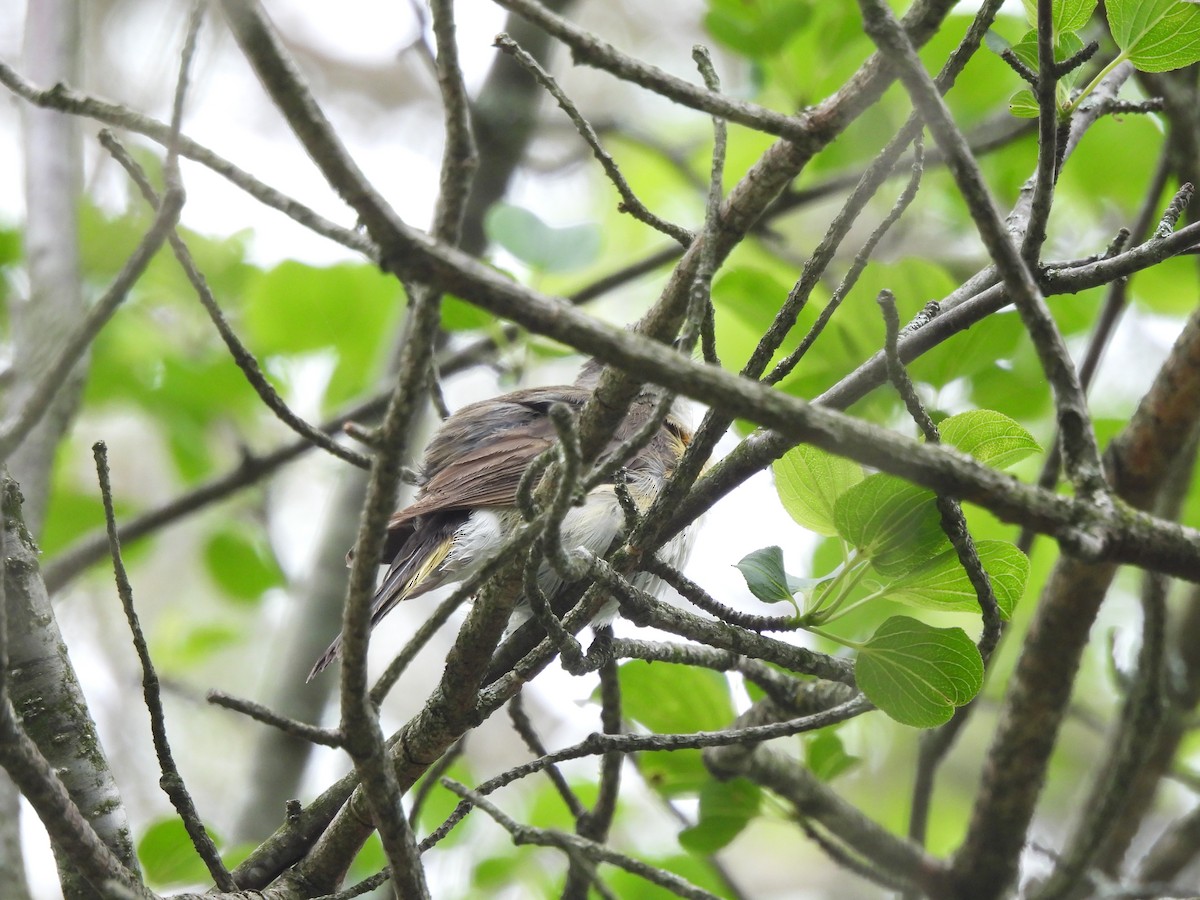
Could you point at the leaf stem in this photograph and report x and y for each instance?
(845, 642)
(1094, 83)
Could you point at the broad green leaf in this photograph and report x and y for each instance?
(1068, 15)
(756, 29)
(539, 245)
(168, 857)
(458, 315)
(890, 521)
(176, 653)
(1024, 105)
(673, 698)
(766, 578)
(809, 481)
(942, 583)
(674, 773)
(1156, 35)
(668, 697)
(691, 868)
(996, 42)
(989, 436)
(369, 860)
(826, 756)
(918, 674)
(726, 807)
(440, 801)
(349, 310)
(241, 562)
(1065, 46)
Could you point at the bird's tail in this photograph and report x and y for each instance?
(410, 575)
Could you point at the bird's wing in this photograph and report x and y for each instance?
(482, 451)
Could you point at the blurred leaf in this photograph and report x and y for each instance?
(240, 561)
(458, 315)
(348, 309)
(991, 437)
(996, 42)
(674, 773)
(918, 674)
(73, 512)
(756, 29)
(10, 246)
(1156, 35)
(671, 698)
(745, 302)
(668, 697)
(975, 350)
(691, 868)
(893, 523)
(726, 808)
(539, 245)
(441, 801)
(809, 481)
(369, 860)
(196, 645)
(826, 756)
(168, 857)
(942, 583)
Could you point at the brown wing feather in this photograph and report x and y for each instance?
(481, 452)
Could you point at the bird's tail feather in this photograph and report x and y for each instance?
(407, 577)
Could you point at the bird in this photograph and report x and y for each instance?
(466, 502)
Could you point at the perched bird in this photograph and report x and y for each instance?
(466, 503)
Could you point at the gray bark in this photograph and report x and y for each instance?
(52, 181)
(45, 692)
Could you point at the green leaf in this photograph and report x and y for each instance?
(989, 436)
(809, 481)
(942, 583)
(241, 562)
(756, 29)
(1068, 15)
(764, 574)
(890, 521)
(674, 698)
(1066, 46)
(539, 245)
(670, 697)
(168, 857)
(180, 652)
(458, 315)
(348, 310)
(726, 807)
(1024, 105)
(826, 756)
(1156, 35)
(996, 42)
(918, 674)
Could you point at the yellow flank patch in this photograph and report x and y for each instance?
(430, 564)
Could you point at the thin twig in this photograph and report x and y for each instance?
(76, 344)
(524, 727)
(243, 357)
(629, 200)
(171, 781)
(569, 843)
(302, 730)
(1082, 453)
